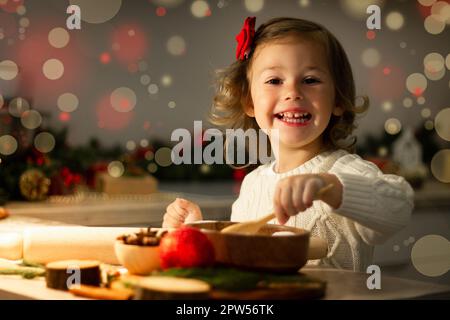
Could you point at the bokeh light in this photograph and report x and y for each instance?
(440, 165)
(8, 145)
(370, 34)
(425, 113)
(304, 3)
(153, 89)
(429, 125)
(144, 143)
(395, 20)
(254, 5)
(392, 126)
(18, 106)
(152, 168)
(116, 169)
(149, 155)
(172, 104)
(145, 79)
(434, 75)
(434, 24)
(21, 10)
(8, 70)
(24, 22)
(161, 11)
(44, 142)
(434, 66)
(200, 9)
(105, 58)
(442, 124)
(67, 102)
(176, 46)
(371, 57)
(31, 119)
(430, 255)
(130, 145)
(387, 106)
(442, 9)
(416, 83)
(163, 157)
(64, 116)
(58, 37)
(123, 99)
(97, 11)
(421, 100)
(53, 69)
(166, 80)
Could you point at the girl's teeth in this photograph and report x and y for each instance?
(293, 120)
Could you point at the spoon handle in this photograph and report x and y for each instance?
(266, 218)
(323, 190)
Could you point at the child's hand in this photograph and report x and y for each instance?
(179, 212)
(296, 194)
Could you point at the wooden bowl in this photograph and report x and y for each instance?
(139, 260)
(262, 251)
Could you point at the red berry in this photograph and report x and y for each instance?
(186, 247)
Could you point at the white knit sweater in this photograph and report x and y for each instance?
(374, 206)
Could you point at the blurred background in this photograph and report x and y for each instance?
(137, 70)
(103, 100)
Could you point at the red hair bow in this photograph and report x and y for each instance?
(245, 38)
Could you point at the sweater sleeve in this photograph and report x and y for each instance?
(379, 204)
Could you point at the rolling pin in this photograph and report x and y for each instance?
(47, 244)
(317, 249)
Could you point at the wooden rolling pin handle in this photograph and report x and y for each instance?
(318, 248)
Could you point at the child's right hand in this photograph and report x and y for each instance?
(179, 212)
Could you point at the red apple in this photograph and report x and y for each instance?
(186, 247)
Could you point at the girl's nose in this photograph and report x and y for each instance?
(293, 93)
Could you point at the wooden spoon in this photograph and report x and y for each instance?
(252, 227)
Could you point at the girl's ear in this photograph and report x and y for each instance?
(249, 109)
(338, 111)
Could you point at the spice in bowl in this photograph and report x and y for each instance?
(145, 237)
(139, 252)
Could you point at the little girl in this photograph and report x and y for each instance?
(293, 76)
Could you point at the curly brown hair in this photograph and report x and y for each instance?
(233, 85)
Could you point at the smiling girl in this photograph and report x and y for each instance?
(293, 77)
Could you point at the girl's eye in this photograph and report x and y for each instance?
(311, 80)
(273, 81)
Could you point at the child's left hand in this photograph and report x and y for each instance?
(296, 194)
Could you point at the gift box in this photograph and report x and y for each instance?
(126, 184)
